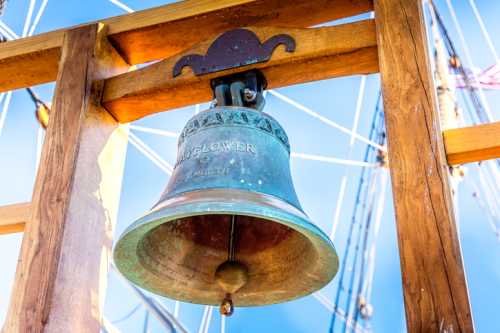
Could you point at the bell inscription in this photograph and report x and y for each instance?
(224, 146)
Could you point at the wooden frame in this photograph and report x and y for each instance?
(91, 65)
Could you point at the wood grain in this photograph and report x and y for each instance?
(321, 53)
(160, 32)
(61, 275)
(472, 144)
(434, 284)
(13, 217)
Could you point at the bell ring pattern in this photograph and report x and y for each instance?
(235, 116)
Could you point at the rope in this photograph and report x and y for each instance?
(222, 324)
(373, 247)
(5, 109)
(343, 182)
(150, 154)
(154, 131)
(324, 119)
(363, 228)
(145, 326)
(352, 224)
(474, 98)
(177, 309)
(128, 314)
(122, 6)
(108, 327)
(339, 313)
(7, 32)
(206, 309)
(29, 15)
(468, 57)
(491, 219)
(484, 30)
(332, 160)
(38, 16)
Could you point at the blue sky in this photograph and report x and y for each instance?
(317, 183)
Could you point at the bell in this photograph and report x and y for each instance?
(229, 228)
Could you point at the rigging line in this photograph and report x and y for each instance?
(323, 300)
(29, 15)
(491, 202)
(491, 219)
(209, 319)
(180, 327)
(154, 131)
(145, 326)
(468, 57)
(156, 308)
(4, 36)
(10, 34)
(373, 247)
(362, 230)
(177, 309)
(151, 152)
(359, 105)
(150, 157)
(222, 324)
(122, 6)
(361, 185)
(484, 30)
(490, 183)
(5, 109)
(108, 327)
(201, 329)
(347, 247)
(38, 16)
(127, 315)
(332, 160)
(324, 119)
(343, 182)
(491, 170)
(474, 98)
(365, 261)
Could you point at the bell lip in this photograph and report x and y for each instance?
(218, 201)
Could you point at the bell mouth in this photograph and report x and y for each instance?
(175, 249)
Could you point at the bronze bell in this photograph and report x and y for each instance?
(229, 228)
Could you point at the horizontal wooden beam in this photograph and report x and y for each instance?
(321, 53)
(164, 31)
(13, 218)
(472, 144)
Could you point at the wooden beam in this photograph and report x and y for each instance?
(434, 284)
(320, 53)
(164, 31)
(14, 217)
(61, 275)
(472, 144)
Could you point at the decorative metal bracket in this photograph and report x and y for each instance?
(235, 48)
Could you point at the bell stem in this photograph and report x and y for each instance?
(232, 241)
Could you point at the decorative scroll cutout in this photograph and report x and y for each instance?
(235, 48)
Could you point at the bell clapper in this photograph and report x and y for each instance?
(231, 275)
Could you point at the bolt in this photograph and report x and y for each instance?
(249, 95)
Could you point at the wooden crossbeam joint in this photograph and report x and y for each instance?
(13, 218)
(161, 32)
(472, 144)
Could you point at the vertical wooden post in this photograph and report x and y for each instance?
(435, 288)
(62, 270)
